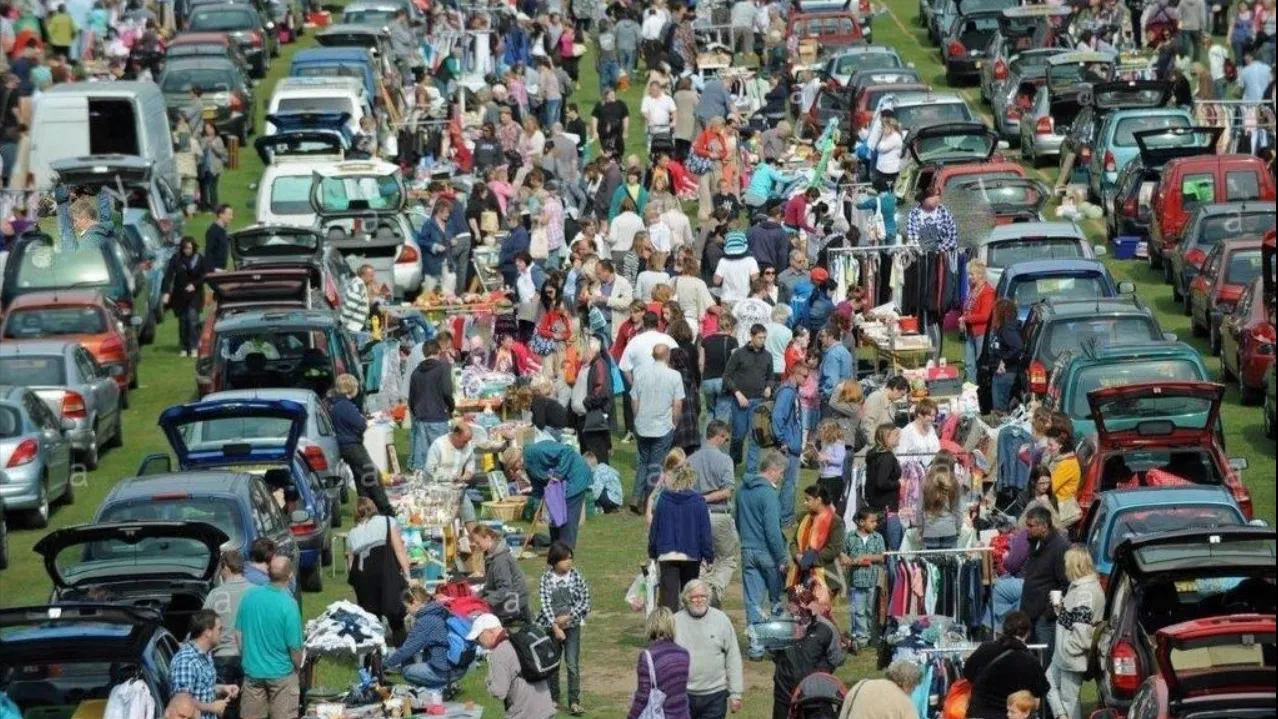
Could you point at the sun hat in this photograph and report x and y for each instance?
(735, 245)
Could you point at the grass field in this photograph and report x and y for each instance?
(611, 548)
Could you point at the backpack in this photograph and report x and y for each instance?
(538, 653)
(799, 303)
(461, 651)
(761, 425)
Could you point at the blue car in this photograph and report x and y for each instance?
(1120, 514)
(1116, 144)
(337, 62)
(312, 135)
(244, 435)
(54, 659)
(1028, 283)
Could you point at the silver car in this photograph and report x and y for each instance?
(74, 387)
(35, 457)
(1070, 77)
(1007, 245)
(1012, 95)
(318, 442)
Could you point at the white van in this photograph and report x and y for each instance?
(101, 118)
(320, 94)
(284, 192)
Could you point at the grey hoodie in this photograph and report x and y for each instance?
(505, 586)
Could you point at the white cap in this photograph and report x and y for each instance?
(483, 623)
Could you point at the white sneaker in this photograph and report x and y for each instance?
(182, 353)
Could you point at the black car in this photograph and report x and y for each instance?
(226, 92)
(966, 43)
(245, 25)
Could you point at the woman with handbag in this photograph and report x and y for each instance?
(662, 671)
(1077, 615)
(377, 566)
(592, 401)
(1066, 473)
(996, 670)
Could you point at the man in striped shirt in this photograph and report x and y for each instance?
(355, 303)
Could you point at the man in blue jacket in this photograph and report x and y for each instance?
(787, 427)
(428, 637)
(545, 460)
(763, 550)
(432, 239)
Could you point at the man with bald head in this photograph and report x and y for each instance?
(657, 395)
(182, 706)
(269, 628)
(451, 459)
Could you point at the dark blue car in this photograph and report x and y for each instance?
(1028, 283)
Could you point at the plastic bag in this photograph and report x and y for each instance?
(641, 596)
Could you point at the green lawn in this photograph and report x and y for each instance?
(612, 547)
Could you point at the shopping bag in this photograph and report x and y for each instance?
(556, 500)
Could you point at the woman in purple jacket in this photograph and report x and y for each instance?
(662, 670)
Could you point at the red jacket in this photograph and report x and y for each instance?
(978, 311)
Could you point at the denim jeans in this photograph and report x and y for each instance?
(629, 57)
(971, 352)
(568, 533)
(788, 485)
(1045, 633)
(550, 111)
(741, 425)
(1005, 598)
(571, 660)
(892, 531)
(1001, 390)
(609, 71)
(760, 576)
(708, 706)
(718, 405)
(652, 452)
(188, 327)
(862, 604)
(424, 435)
(421, 674)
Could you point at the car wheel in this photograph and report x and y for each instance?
(326, 555)
(4, 541)
(124, 394)
(1187, 305)
(1176, 294)
(68, 493)
(38, 518)
(1269, 427)
(1195, 329)
(312, 581)
(1226, 375)
(1250, 397)
(148, 332)
(1167, 276)
(90, 456)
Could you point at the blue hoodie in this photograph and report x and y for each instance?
(681, 523)
(758, 517)
(430, 635)
(434, 246)
(786, 420)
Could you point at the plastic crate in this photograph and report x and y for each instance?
(1125, 247)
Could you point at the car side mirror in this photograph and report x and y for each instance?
(1170, 336)
(1100, 250)
(299, 516)
(155, 464)
(1238, 464)
(1126, 288)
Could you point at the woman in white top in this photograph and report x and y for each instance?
(887, 165)
(659, 111)
(377, 565)
(919, 441)
(691, 292)
(654, 275)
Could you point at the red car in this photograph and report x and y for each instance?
(949, 154)
(820, 32)
(1151, 433)
(1215, 291)
(866, 101)
(1216, 667)
(84, 316)
(1247, 343)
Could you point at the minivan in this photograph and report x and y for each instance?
(101, 118)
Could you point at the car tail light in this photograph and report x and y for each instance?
(1044, 126)
(1000, 70)
(315, 459)
(1130, 208)
(236, 102)
(408, 255)
(1111, 165)
(1126, 673)
(1037, 377)
(255, 39)
(864, 6)
(1196, 257)
(112, 345)
(1085, 155)
(957, 49)
(24, 453)
(169, 496)
(73, 406)
(126, 306)
(1264, 343)
(301, 529)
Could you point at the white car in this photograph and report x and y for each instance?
(320, 95)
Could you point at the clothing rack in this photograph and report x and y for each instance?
(876, 249)
(918, 552)
(970, 647)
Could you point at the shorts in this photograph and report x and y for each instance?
(270, 698)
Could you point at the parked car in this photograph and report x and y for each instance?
(1208, 226)
(35, 455)
(1164, 580)
(254, 33)
(1082, 134)
(1012, 244)
(916, 109)
(370, 13)
(260, 247)
(1134, 437)
(1012, 90)
(1197, 180)
(318, 441)
(1120, 514)
(107, 269)
(300, 348)
(823, 32)
(144, 188)
(356, 62)
(374, 39)
(203, 44)
(255, 290)
(1013, 200)
(846, 102)
(169, 566)
(1214, 293)
(239, 504)
(1115, 143)
(147, 239)
(1071, 83)
(320, 95)
(292, 157)
(1096, 365)
(866, 96)
(1220, 665)
(945, 155)
(1035, 281)
(844, 64)
(966, 41)
(1130, 212)
(78, 390)
(946, 12)
(1247, 344)
(69, 655)
(1029, 31)
(218, 435)
(227, 93)
(84, 317)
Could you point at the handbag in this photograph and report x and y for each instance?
(1070, 512)
(539, 244)
(959, 696)
(698, 164)
(488, 222)
(556, 500)
(656, 706)
(878, 230)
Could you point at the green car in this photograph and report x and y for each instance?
(1096, 366)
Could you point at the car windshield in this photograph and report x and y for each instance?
(112, 557)
(33, 371)
(291, 195)
(1249, 552)
(977, 146)
(1123, 373)
(45, 321)
(1215, 228)
(850, 64)
(1138, 522)
(10, 422)
(1012, 195)
(222, 20)
(355, 192)
(253, 430)
(315, 104)
(328, 70)
(220, 512)
(1025, 291)
(1131, 468)
(1243, 267)
(86, 266)
(1125, 131)
(361, 16)
(185, 79)
(936, 113)
(1009, 252)
(1068, 335)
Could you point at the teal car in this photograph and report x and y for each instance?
(1116, 143)
(1095, 366)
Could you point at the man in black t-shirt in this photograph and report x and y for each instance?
(610, 123)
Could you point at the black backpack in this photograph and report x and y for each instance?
(538, 653)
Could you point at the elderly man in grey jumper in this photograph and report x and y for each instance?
(715, 682)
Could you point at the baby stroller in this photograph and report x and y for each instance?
(818, 696)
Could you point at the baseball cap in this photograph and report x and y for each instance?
(482, 623)
(819, 275)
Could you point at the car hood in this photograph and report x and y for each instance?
(1158, 147)
(174, 419)
(62, 632)
(1191, 656)
(1158, 401)
(1222, 551)
(275, 243)
(953, 142)
(289, 287)
(100, 170)
(122, 551)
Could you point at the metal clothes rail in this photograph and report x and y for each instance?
(919, 552)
